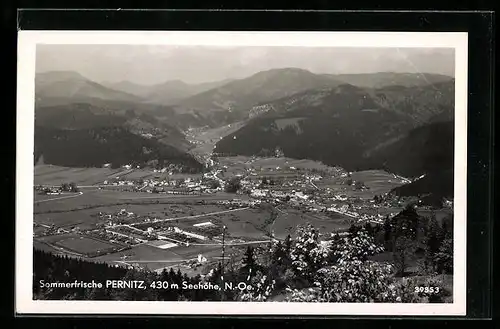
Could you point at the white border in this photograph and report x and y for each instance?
(27, 41)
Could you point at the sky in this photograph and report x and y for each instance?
(152, 64)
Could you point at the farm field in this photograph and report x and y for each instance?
(207, 139)
(270, 163)
(41, 197)
(45, 247)
(103, 197)
(239, 164)
(142, 252)
(287, 223)
(84, 219)
(378, 182)
(56, 175)
(156, 258)
(86, 245)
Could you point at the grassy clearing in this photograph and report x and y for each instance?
(287, 223)
(55, 175)
(85, 245)
(378, 182)
(161, 258)
(238, 164)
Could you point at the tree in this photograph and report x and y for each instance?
(447, 228)
(357, 281)
(388, 234)
(234, 185)
(369, 229)
(249, 263)
(403, 251)
(279, 254)
(262, 287)
(308, 255)
(357, 246)
(73, 187)
(280, 263)
(214, 184)
(288, 244)
(353, 229)
(406, 223)
(444, 257)
(359, 185)
(432, 241)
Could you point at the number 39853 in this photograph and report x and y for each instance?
(428, 290)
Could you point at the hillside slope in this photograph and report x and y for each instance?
(332, 125)
(97, 146)
(345, 125)
(50, 86)
(265, 86)
(424, 150)
(110, 114)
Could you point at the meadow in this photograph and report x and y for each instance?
(86, 245)
(56, 175)
(286, 223)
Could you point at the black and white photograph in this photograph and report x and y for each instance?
(268, 173)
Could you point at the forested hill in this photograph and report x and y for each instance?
(406, 130)
(334, 126)
(116, 145)
(426, 149)
(109, 114)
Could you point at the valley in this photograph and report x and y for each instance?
(179, 177)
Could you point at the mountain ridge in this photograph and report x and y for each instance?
(74, 86)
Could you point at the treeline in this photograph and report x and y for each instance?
(418, 245)
(50, 268)
(424, 150)
(115, 145)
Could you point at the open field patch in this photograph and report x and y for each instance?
(55, 175)
(155, 258)
(286, 223)
(84, 219)
(378, 183)
(141, 252)
(87, 246)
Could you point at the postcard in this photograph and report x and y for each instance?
(244, 173)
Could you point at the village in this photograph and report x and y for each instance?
(197, 218)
